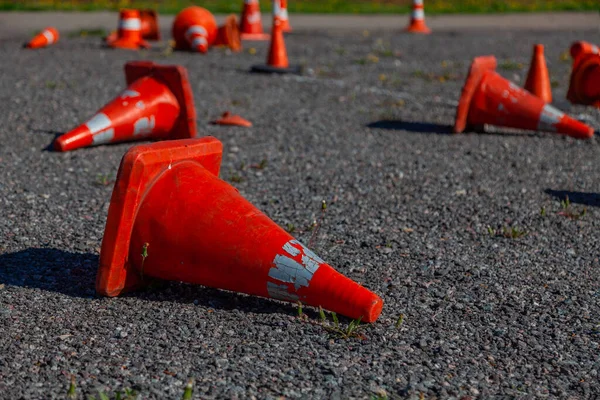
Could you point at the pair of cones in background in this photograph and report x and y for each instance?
(584, 84)
(195, 29)
(135, 26)
(172, 218)
(45, 38)
(251, 20)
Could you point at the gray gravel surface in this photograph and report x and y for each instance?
(415, 214)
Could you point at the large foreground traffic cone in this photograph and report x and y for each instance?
(488, 98)
(149, 27)
(157, 104)
(172, 218)
(538, 79)
(280, 11)
(277, 60)
(251, 22)
(584, 85)
(45, 38)
(129, 34)
(195, 29)
(417, 18)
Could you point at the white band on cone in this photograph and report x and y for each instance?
(417, 2)
(418, 13)
(199, 41)
(549, 118)
(49, 36)
(195, 30)
(99, 126)
(130, 24)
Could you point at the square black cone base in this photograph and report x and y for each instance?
(267, 69)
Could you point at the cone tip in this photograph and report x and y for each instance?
(374, 311)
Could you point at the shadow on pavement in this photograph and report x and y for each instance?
(588, 199)
(418, 127)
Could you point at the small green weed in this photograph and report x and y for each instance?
(189, 390)
(235, 178)
(262, 165)
(128, 394)
(98, 32)
(510, 65)
(337, 330)
(290, 228)
(568, 212)
(104, 179)
(543, 211)
(400, 321)
(513, 232)
(71, 393)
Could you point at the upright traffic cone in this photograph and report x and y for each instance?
(251, 23)
(157, 104)
(280, 11)
(129, 35)
(277, 61)
(538, 79)
(149, 27)
(195, 29)
(584, 85)
(172, 218)
(45, 38)
(417, 19)
(488, 98)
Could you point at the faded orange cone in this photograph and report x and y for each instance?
(251, 22)
(45, 38)
(280, 11)
(149, 27)
(277, 60)
(488, 98)
(172, 218)
(538, 79)
(157, 104)
(129, 35)
(584, 85)
(417, 19)
(195, 29)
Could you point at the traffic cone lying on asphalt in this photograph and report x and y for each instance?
(584, 86)
(45, 38)
(488, 98)
(229, 119)
(172, 218)
(129, 35)
(280, 11)
(538, 79)
(251, 23)
(149, 27)
(157, 104)
(277, 61)
(417, 19)
(195, 29)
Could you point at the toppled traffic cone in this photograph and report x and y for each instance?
(45, 38)
(280, 11)
(538, 79)
(417, 19)
(488, 98)
(277, 61)
(584, 85)
(251, 22)
(229, 119)
(149, 27)
(172, 218)
(129, 35)
(157, 104)
(195, 29)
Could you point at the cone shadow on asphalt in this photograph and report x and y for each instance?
(586, 198)
(417, 127)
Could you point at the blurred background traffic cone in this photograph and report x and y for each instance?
(538, 79)
(488, 98)
(229, 34)
(45, 38)
(157, 104)
(280, 11)
(584, 85)
(417, 18)
(172, 218)
(129, 34)
(251, 22)
(149, 27)
(195, 29)
(277, 60)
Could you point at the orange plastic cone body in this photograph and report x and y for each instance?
(584, 86)
(195, 29)
(277, 53)
(157, 104)
(417, 18)
(229, 34)
(488, 98)
(149, 27)
(251, 23)
(229, 119)
(172, 218)
(538, 79)
(45, 38)
(280, 12)
(129, 34)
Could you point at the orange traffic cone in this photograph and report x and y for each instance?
(229, 119)
(417, 19)
(280, 11)
(251, 24)
(172, 218)
(129, 35)
(584, 86)
(195, 29)
(488, 98)
(277, 61)
(149, 27)
(45, 38)
(157, 104)
(538, 79)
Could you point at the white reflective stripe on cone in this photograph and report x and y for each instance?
(199, 40)
(418, 13)
(549, 118)
(418, 2)
(195, 30)
(98, 122)
(49, 36)
(130, 24)
(103, 137)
